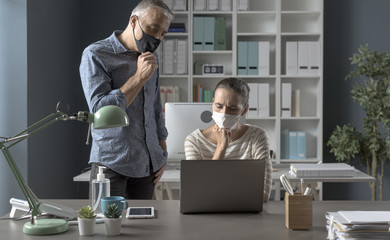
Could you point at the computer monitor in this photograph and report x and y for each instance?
(181, 119)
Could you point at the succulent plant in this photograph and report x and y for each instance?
(87, 212)
(112, 211)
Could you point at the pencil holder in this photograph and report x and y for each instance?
(299, 211)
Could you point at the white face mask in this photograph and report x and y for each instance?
(226, 120)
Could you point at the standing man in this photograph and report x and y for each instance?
(122, 70)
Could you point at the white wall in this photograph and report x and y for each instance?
(13, 93)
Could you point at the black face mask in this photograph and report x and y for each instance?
(147, 43)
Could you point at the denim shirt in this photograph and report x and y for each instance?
(134, 150)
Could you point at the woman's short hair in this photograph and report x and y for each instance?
(145, 5)
(237, 85)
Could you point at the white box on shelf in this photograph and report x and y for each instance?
(226, 5)
(291, 58)
(263, 100)
(264, 48)
(200, 5)
(286, 99)
(212, 5)
(304, 58)
(243, 5)
(181, 62)
(253, 110)
(180, 5)
(168, 56)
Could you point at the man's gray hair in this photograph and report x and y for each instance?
(145, 5)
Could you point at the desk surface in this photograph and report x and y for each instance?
(170, 224)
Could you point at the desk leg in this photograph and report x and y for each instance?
(168, 190)
(158, 191)
(277, 191)
(313, 186)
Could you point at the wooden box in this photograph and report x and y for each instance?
(299, 211)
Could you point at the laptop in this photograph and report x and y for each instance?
(221, 186)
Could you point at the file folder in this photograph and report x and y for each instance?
(253, 58)
(304, 58)
(292, 142)
(297, 103)
(168, 56)
(301, 145)
(286, 99)
(212, 5)
(291, 58)
(253, 100)
(208, 33)
(226, 5)
(220, 34)
(181, 62)
(315, 58)
(199, 5)
(284, 145)
(264, 54)
(263, 99)
(242, 61)
(198, 33)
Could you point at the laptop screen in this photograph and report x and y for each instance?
(208, 186)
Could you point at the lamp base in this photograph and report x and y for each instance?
(46, 227)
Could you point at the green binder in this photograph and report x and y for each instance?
(220, 34)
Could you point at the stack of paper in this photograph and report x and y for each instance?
(359, 225)
(322, 170)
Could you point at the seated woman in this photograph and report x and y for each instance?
(228, 138)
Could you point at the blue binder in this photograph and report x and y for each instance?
(253, 58)
(284, 153)
(301, 145)
(208, 33)
(198, 34)
(292, 140)
(242, 61)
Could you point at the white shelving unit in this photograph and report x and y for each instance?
(276, 21)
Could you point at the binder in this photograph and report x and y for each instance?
(226, 5)
(253, 110)
(301, 145)
(220, 34)
(212, 5)
(243, 5)
(160, 56)
(304, 58)
(264, 54)
(253, 58)
(263, 100)
(181, 62)
(208, 33)
(291, 58)
(180, 5)
(286, 99)
(199, 5)
(242, 61)
(315, 58)
(168, 56)
(198, 34)
(292, 145)
(284, 145)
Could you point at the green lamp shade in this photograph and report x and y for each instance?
(110, 116)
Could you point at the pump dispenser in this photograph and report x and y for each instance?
(100, 189)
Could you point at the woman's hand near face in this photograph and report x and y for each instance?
(222, 135)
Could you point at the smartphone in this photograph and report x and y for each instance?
(140, 212)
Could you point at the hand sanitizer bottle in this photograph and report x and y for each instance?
(100, 189)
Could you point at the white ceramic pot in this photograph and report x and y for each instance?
(113, 226)
(86, 226)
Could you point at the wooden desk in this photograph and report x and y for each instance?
(170, 224)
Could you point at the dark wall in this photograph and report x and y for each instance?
(58, 31)
(347, 25)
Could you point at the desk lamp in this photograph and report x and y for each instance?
(106, 117)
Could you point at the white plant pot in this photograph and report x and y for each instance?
(113, 226)
(86, 226)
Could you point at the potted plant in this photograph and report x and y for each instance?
(112, 220)
(372, 145)
(86, 220)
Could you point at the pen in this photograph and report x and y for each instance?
(302, 185)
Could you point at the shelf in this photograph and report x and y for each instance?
(307, 160)
(176, 34)
(300, 118)
(218, 52)
(173, 76)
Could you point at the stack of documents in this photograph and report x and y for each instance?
(359, 225)
(301, 170)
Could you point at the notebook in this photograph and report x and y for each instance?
(221, 186)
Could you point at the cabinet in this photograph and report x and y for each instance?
(276, 22)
